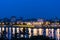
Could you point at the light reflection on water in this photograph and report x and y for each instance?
(13, 30)
(58, 33)
(29, 32)
(49, 32)
(35, 32)
(40, 31)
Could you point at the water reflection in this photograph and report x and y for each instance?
(58, 34)
(35, 32)
(29, 32)
(40, 31)
(49, 32)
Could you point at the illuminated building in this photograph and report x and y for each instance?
(26, 29)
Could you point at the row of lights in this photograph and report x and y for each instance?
(28, 23)
(12, 23)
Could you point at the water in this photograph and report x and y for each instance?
(49, 32)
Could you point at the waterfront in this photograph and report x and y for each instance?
(12, 28)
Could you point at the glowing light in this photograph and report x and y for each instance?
(58, 34)
(40, 31)
(47, 32)
(29, 32)
(24, 25)
(35, 32)
(13, 30)
(17, 30)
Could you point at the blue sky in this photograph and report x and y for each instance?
(30, 8)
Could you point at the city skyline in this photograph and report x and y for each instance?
(32, 19)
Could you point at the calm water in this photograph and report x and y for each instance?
(49, 32)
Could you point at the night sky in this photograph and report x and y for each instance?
(30, 8)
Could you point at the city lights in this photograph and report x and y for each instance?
(26, 29)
